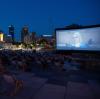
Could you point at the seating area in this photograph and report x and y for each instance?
(30, 75)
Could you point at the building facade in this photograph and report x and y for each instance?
(24, 33)
(11, 32)
(28, 39)
(33, 36)
(8, 39)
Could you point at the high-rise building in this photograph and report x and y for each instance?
(33, 34)
(1, 36)
(11, 32)
(8, 38)
(24, 32)
(28, 39)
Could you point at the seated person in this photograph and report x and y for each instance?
(9, 85)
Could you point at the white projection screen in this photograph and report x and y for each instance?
(78, 39)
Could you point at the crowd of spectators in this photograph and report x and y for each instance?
(25, 62)
(28, 61)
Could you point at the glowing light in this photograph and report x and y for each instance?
(9, 35)
(38, 48)
(77, 39)
(61, 45)
(1, 37)
(47, 35)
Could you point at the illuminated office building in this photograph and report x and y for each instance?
(24, 33)
(28, 39)
(1, 36)
(8, 38)
(11, 32)
(33, 36)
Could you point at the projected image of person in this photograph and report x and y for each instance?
(90, 42)
(77, 39)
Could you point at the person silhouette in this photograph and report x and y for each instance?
(77, 39)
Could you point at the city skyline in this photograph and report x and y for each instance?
(44, 16)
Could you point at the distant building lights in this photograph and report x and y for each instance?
(1, 37)
(8, 35)
(47, 35)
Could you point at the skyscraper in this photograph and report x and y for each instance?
(24, 32)
(8, 38)
(1, 36)
(33, 34)
(11, 32)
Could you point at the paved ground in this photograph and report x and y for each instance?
(47, 85)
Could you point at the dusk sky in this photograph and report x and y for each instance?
(43, 16)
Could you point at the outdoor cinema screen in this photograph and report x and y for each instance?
(78, 39)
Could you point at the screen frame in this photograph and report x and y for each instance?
(76, 28)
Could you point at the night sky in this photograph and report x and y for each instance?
(43, 16)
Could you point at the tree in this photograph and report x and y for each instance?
(73, 26)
